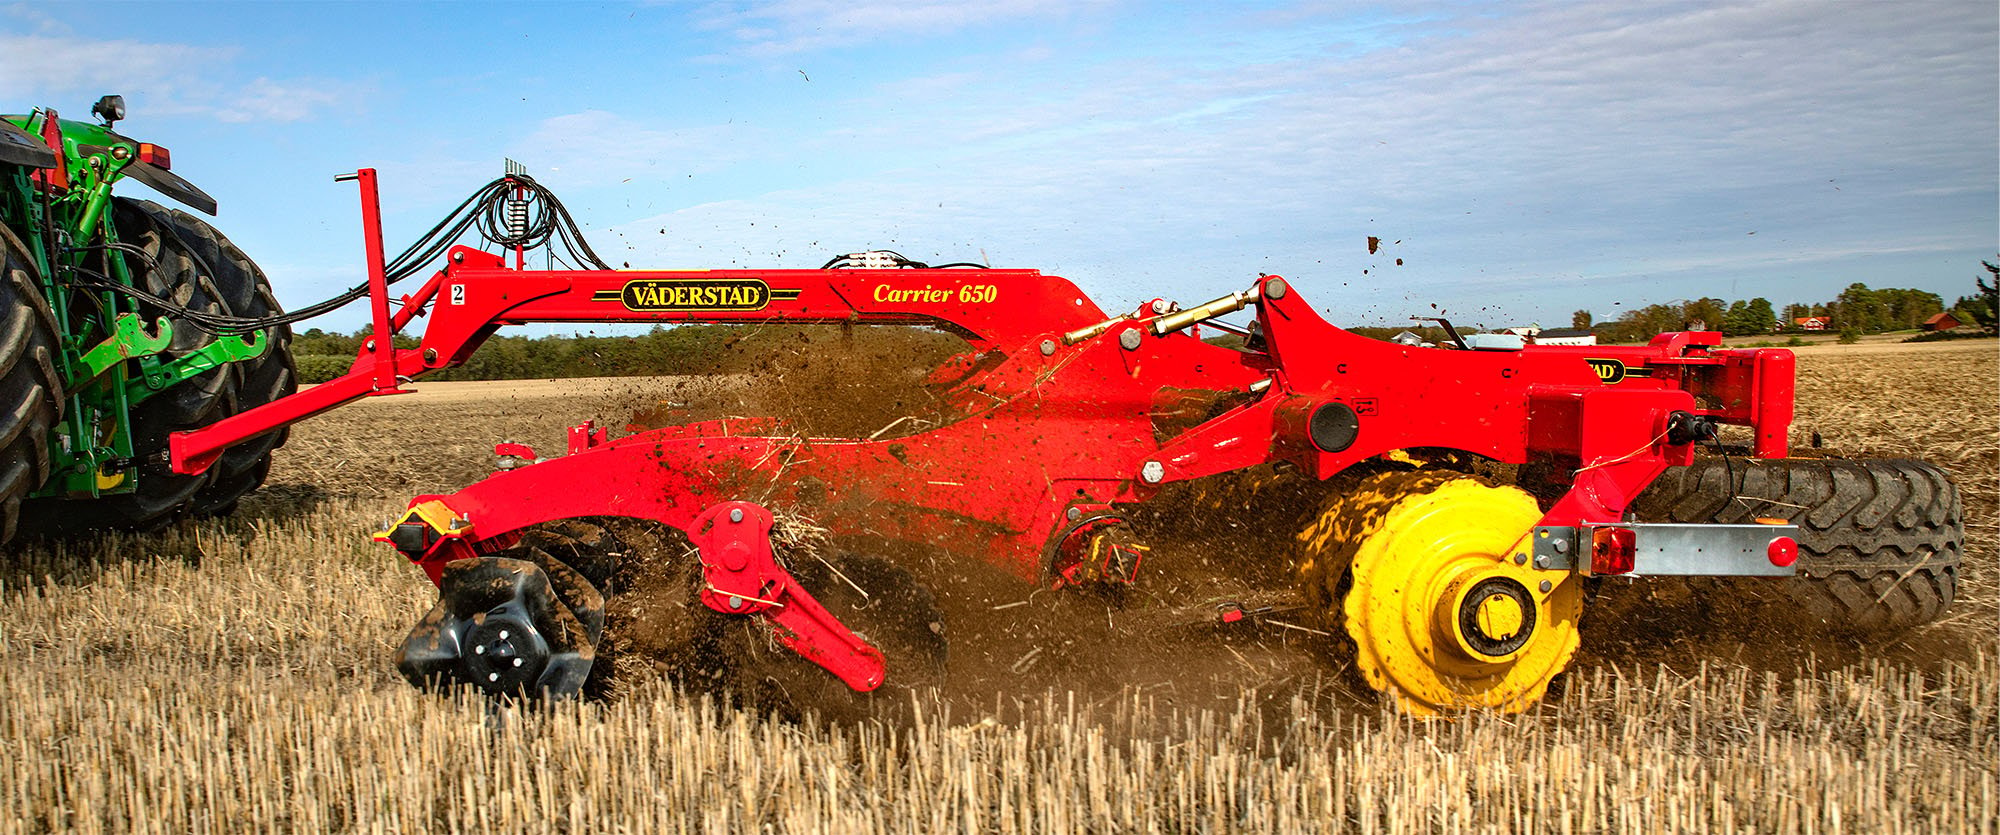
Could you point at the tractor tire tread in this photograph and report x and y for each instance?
(246, 291)
(159, 495)
(31, 391)
(1880, 540)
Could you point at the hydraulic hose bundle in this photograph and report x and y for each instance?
(534, 218)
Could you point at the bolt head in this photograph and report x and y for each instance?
(1561, 546)
(1541, 562)
(1153, 472)
(1546, 585)
(492, 676)
(736, 514)
(1520, 559)
(1048, 347)
(1275, 288)
(1074, 513)
(1129, 340)
(735, 602)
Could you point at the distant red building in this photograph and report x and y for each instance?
(1813, 323)
(1941, 322)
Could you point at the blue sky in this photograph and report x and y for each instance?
(1523, 160)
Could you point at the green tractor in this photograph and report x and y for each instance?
(121, 321)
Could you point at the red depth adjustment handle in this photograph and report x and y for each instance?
(741, 576)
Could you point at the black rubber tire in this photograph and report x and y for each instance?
(576, 559)
(31, 393)
(1879, 542)
(160, 495)
(247, 292)
(632, 584)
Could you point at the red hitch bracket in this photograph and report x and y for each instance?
(587, 434)
(513, 455)
(741, 576)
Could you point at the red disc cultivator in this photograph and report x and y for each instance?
(1062, 417)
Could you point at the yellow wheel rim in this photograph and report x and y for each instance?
(1421, 569)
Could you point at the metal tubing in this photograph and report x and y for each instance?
(1227, 304)
(383, 339)
(413, 305)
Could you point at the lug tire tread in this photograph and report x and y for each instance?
(160, 495)
(31, 392)
(1880, 540)
(247, 292)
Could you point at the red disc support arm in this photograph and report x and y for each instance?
(741, 576)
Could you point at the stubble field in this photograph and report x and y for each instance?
(233, 675)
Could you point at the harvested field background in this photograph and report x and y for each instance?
(233, 675)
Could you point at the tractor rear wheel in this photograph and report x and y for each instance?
(1419, 570)
(159, 495)
(1879, 540)
(247, 293)
(31, 394)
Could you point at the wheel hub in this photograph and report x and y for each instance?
(1442, 614)
(499, 626)
(1494, 619)
(506, 654)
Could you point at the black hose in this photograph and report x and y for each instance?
(848, 260)
(485, 210)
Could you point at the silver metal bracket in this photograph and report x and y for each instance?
(1672, 550)
(1554, 546)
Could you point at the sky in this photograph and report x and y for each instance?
(1517, 161)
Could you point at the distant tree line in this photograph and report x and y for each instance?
(683, 349)
(1737, 318)
(1857, 310)
(323, 355)
(1983, 307)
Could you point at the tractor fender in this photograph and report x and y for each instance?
(89, 138)
(20, 147)
(172, 185)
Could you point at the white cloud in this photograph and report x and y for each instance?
(162, 79)
(1553, 144)
(68, 64)
(264, 100)
(782, 27)
(1525, 157)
